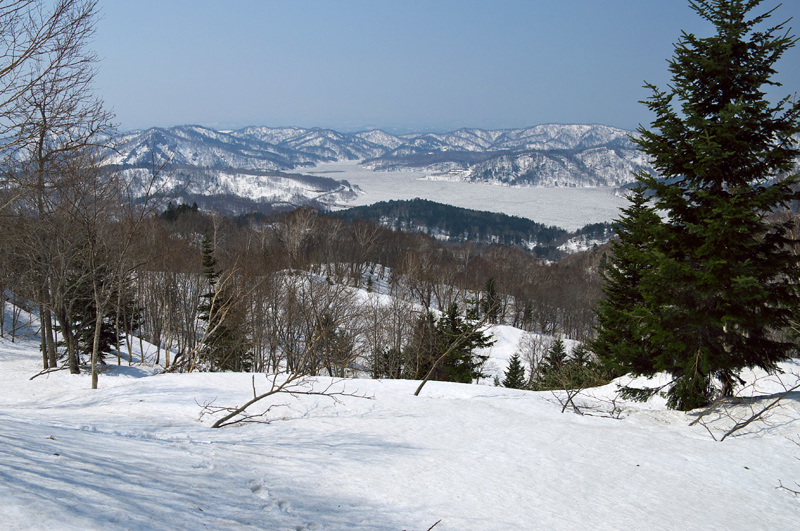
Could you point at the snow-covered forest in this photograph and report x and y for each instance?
(288, 288)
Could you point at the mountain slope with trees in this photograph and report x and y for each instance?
(454, 224)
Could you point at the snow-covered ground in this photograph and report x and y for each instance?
(568, 208)
(135, 454)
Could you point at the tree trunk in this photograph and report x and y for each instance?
(128, 336)
(50, 338)
(98, 323)
(116, 323)
(45, 361)
(66, 333)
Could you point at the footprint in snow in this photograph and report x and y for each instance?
(204, 463)
(281, 507)
(257, 488)
(276, 507)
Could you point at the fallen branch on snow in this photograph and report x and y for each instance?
(294, 385)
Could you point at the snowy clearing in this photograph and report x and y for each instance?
(133, 455)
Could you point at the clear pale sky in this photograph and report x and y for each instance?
(400, 65)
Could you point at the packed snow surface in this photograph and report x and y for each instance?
(568, 208)
(135, 454)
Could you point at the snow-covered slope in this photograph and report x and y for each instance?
(540, 137)
(320, 144)
(136, 455)
(200, 146)
(545, 155)
(596, 166)
(231, 169)
(227, 188)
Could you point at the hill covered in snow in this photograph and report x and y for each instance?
(139, 454)
(592, 148)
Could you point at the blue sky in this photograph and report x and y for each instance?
(401, 65)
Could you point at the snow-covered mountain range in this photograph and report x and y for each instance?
(545, 155)
(252, 163)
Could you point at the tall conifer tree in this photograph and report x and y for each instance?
(620, 342)
(723, 282)
(225, 346)
(515, 373)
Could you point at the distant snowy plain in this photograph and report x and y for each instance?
(568, 208)
(135, 454)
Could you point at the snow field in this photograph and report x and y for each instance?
(135, 455)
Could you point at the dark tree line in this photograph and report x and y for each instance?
(456, 225)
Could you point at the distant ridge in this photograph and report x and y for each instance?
(545, 155)
(259, 166)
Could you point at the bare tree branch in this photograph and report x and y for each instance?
(294, 384)
(739, 425)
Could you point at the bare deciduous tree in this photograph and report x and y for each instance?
(41, 43)
(49, 120)
(532, 348)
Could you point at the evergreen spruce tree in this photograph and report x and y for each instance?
(212, 277)
(224, 345)
(619, 343)
(579, 370)
(420, 353)
(554, 359)
(462, 364)
(490, 305)
(83, 313)
(515, 374)
(433, 337)
(722, 283)
(581, 357)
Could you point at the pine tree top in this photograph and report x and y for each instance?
(715, 129)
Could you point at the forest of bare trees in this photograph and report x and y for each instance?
(300, 288)
(308, 287)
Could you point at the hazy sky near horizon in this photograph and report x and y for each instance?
(400, 65)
